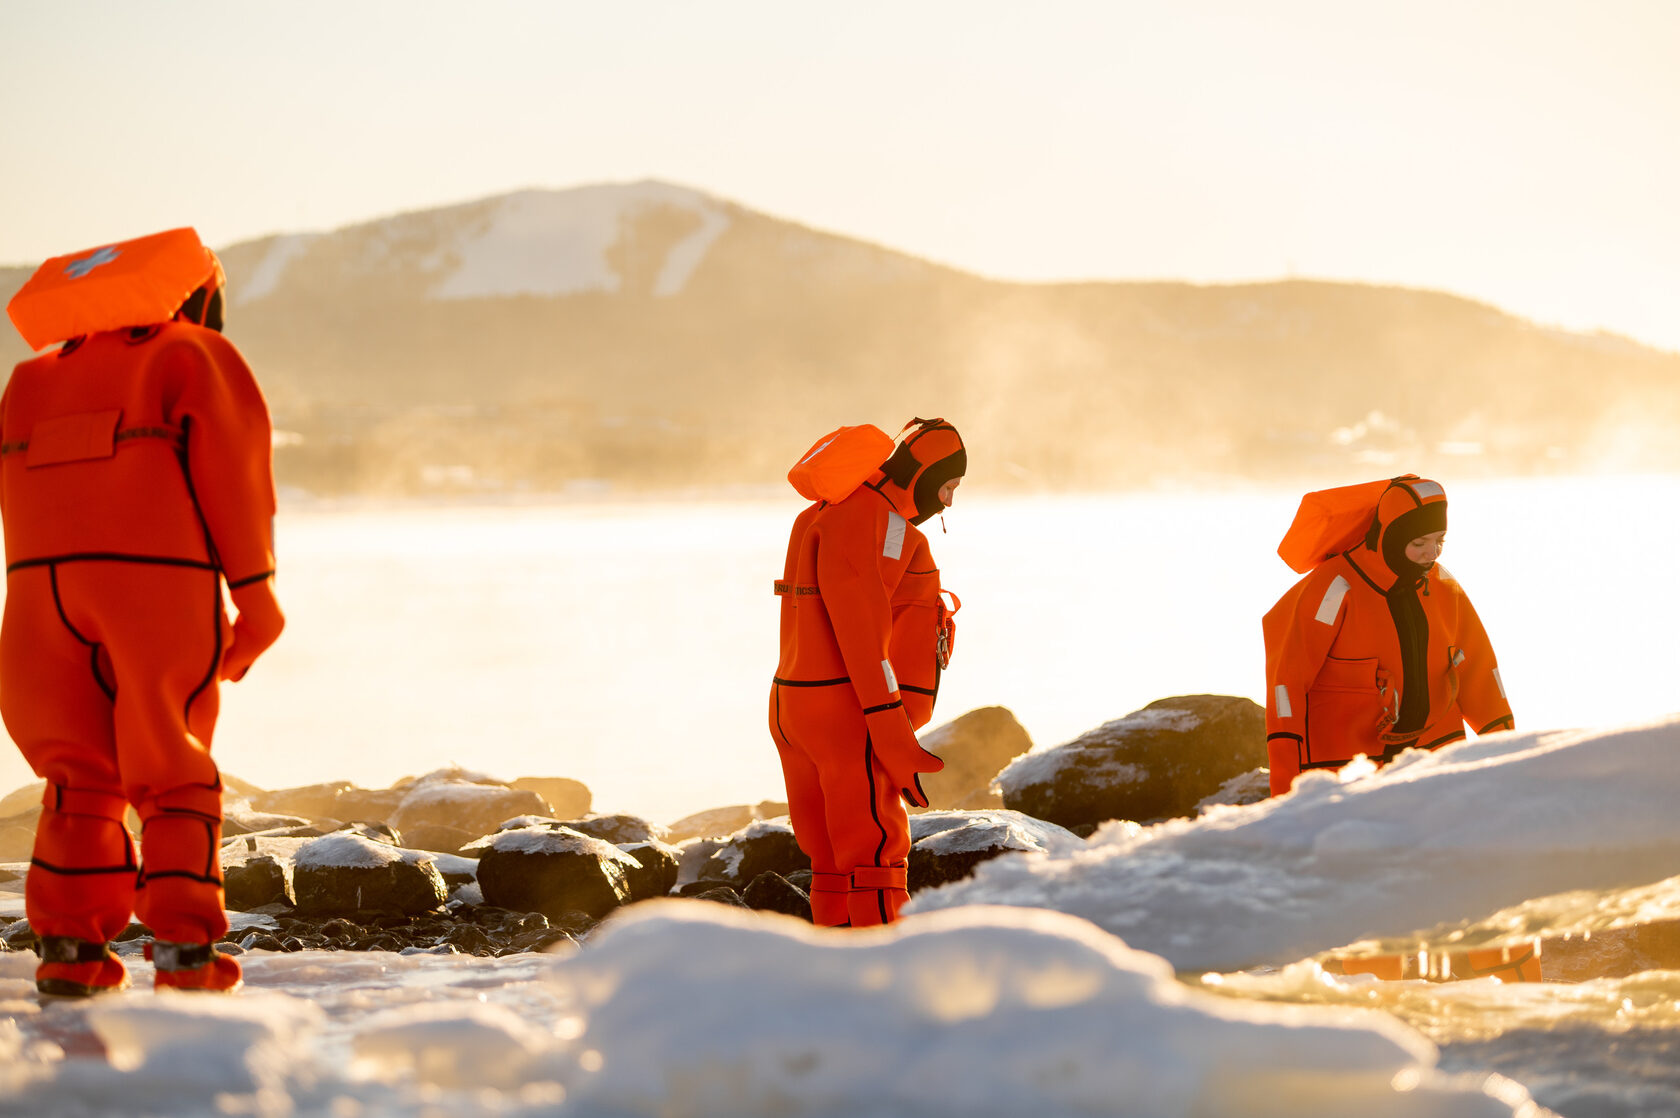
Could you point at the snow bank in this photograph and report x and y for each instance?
(348, 849)
(690, 1009)
(1436, 839)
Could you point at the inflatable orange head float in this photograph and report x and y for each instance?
(929, 454)
(1410, 507)
(134, 283)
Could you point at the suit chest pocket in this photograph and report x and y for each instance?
(73, 438)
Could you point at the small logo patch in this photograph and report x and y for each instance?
(76, 269)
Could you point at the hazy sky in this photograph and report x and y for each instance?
(1524, 153)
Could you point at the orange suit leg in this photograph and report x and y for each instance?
(55, 698)
(161, 631)
(845, 809)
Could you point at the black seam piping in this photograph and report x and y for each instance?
(929, 691)
(883, 706)
(1284, 734)
(109, 557)
(1456, 735)
(869, 778)
(72, 871)
(1507, 721)
(809, 682)
(250, 581)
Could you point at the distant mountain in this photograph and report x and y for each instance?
(649, 334)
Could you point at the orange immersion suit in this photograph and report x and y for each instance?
(135, 479)
(863, 637)
(1372, 654)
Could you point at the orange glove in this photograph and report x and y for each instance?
(257, 627)
(900, 754)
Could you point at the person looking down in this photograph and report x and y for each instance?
(865, 634)
(1378, 648)
(135, 485)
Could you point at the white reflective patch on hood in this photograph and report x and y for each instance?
(1428, 489)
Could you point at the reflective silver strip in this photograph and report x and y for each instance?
(1425, 489)
(1284, 710)
(895, 536)
(887, 673)
(1458, 657)
(1500, 683)
(1332, 603)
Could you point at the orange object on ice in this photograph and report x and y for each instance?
(858, 674)
(131, 283)
(1371, 653)
(135, 482)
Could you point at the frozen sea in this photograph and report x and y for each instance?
(629, 644)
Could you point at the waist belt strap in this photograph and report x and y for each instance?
(84, 801)
(880, 877)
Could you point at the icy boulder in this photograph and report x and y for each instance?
(259, 880)
(975, 748)
(656, 872)
(1155, 763)
(554, 871)
(617, 829)
(344, 873)
(947, 845)
(464, 805)
(764, 846)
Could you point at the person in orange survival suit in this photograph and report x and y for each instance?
(135, 480)
(843, 722)
(1378, 650)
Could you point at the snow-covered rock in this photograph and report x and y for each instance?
(947, 845)
(1155, 763)
(554, 871)
(475, 808)
(345, 872)
(618, 829)
(762, 846)
(657, 866)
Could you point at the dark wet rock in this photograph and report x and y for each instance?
(947, 845)
(1155, 763)
(259, 880)
(765, 846)
(975, 748)
(801, 880)
(134, 931)
(553, 871)
(723, 895)
(704, 885)
(620, 830)
(373, 829)
(771, 892)
(345, 872)
(720, 821)
(475, 808)
(18, 936)
(658, 870)
(437, 837)
(566, 799)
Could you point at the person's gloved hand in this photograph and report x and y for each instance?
(900, 754)
(257, 627)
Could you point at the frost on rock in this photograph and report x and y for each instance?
(352, 850)
(539, 840)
